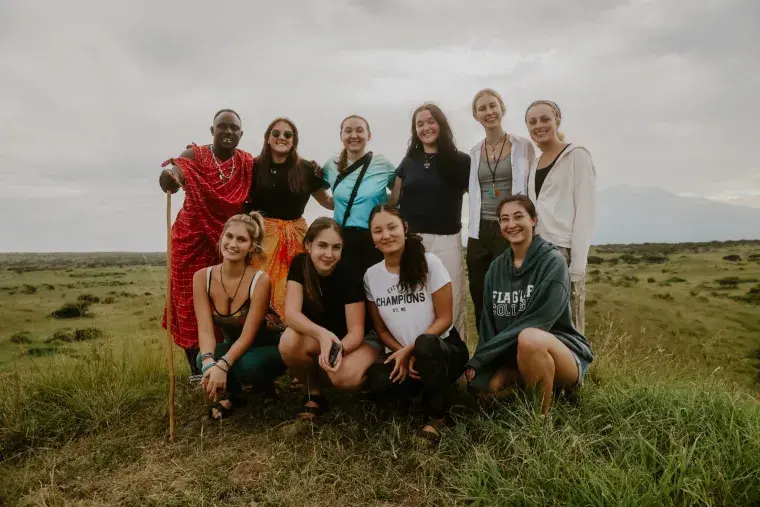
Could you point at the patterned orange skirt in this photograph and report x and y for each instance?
(283, 240)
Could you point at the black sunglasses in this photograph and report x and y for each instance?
(287, 134)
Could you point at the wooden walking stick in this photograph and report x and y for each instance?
(169, 340)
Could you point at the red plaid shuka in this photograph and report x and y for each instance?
(209, 202)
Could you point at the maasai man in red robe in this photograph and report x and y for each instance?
(216, 180)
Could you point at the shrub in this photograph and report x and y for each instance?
(88, 298)
(65, 335)
(21, 337)
(147, 294)
(613, 260)
(28, 289)
(732, 258)
(72, 310)
(109, 300)
(654, 259)
(630, 259)
(674, 279)
(88, 333)
(665, 297)
(595, 259)
(651, 280)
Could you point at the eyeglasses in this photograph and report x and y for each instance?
(287, 134)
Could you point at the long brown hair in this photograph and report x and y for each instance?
(310, 274)
(343, 158)
(413, 272)
(446, 144)
(298, 170)
(447, 149)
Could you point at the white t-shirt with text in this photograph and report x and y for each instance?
(406, 315)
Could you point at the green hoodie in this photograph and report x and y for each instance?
(535, 296)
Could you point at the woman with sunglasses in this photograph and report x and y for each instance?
(281, 186)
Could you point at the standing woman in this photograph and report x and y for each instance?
(430, 183)
(216, 179)
(562, 184)
(281, 187)
(498, 169)
(231, 302)
(359, 180)
(410, 301)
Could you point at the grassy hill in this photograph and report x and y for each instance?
(668, 414)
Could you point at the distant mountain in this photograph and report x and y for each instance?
(639, 215)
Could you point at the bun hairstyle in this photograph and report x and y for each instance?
(522, 200)
(487, 91)
(254, 225)
(310, 274)
(557, 114)
(413, 272)
(343, 158)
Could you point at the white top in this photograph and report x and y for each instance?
(566, 206)
(406, 316)
(523, 155)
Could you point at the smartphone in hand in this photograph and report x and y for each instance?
(335, 349)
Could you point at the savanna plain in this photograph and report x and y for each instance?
(668, 413)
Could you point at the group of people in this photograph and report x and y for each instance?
(374, 298)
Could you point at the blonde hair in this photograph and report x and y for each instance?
(487, 91)
(254, 225)
(343, 158)
(557, 114)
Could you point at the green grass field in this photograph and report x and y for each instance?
(669, 413)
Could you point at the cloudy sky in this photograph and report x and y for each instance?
(95, 95)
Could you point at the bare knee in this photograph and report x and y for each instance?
(530, 343)
(346, 382)
(496, 383)
(291, 343)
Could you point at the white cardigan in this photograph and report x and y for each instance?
(566, 206)
(523, 156)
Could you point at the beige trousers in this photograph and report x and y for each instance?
(449, 249)
(577, 297)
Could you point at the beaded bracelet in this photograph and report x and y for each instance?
(207, 367)
(227, 360)
(207, 355)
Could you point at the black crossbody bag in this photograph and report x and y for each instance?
(364, 163)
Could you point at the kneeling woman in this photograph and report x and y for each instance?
(248, 354)
(526, 331)
(324, 311)
(411, 304)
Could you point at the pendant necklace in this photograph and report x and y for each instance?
(495, 192)
(223, 177)
(428, 160)
(232, 297)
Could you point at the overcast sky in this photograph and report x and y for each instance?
(94, 95)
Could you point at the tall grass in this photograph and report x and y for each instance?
(73, 397)
(94, 427)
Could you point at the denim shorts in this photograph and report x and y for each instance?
(582, 368)
(373, 341)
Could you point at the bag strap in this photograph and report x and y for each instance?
(355, 190)
(353, 167)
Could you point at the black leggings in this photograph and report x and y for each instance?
(439, 361)
(359, 248)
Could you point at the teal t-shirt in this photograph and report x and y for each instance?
(380, 176)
